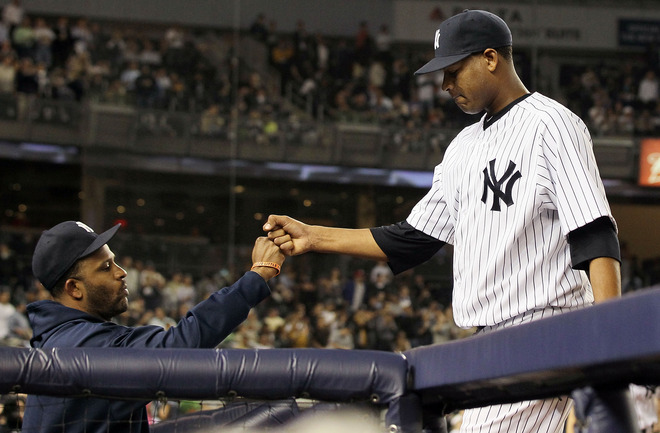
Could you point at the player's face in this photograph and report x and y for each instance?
(103, 285)
(467, 83)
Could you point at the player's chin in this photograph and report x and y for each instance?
(122, 304)
(467, 109)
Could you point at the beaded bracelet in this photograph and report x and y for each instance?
(269, 265)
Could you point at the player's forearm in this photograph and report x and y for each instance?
(354, 242)
(605, 276)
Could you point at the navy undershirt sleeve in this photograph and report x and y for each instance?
(596, 239)
(405, 246)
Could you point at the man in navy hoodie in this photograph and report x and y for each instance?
(88, 288)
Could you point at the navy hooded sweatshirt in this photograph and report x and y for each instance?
(54, 325)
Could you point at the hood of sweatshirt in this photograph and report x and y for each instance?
(48, 317)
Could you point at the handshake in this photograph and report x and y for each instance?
(282, 238)
(289, 237)
(269, 252)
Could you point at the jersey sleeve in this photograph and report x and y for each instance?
(405, 246)
(596, 239)
(431, 215)
(576, 188)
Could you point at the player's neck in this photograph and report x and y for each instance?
(492, 118)
(512, 91)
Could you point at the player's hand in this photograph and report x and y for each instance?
(266, 251)
(292, 236)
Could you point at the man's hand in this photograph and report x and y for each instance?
(266, 251)
(292, 236)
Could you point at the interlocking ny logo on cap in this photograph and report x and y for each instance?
(84, 227)
(436, 42)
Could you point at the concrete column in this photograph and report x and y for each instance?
(92, 202)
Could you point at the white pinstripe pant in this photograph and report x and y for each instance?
(532, 416)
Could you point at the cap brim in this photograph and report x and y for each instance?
(438, 63)
(101, 240)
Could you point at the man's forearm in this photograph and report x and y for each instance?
(354, 242)
(605, 276)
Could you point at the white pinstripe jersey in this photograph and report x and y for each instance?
(506, 197)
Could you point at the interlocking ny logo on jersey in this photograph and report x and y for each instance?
(492, 183)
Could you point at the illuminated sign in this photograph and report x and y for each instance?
(649, 162)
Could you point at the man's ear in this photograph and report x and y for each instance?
(73, 288)
(492, 57)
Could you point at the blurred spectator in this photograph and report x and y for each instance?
(185, 295)
(175, 37)
(377, 74)
(401, 343)
(385, 330)
(129, 75)
(20, 331)
(258, 28)
(151, 291)
(8, 265)
(170, 292)
(59, 86)
(149, 55)
(321, 54)
(77, 69)
(23, 38)
(381, 272)
(27, 85)
(43, 41)
(116, 93)
(296, 331)
(12, 15)
(146, 88)
(363, 44)
(282, 56)
(177, 97)
(163, 84)
(114, 50)
(648, 90)
(174, 42)
(11, 416)
(341, 338)
(356, 290)
(83, 38)
(160, 318)
(273, 320)
(212, 124)
(4, 33)
(302, 47)
(7, 310)
(131, 51)
(62, 45)
(363, 328)
(383, 43)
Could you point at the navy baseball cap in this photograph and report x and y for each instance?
(61, 246)
(468, 32)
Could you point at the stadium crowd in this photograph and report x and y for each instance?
(365, 78)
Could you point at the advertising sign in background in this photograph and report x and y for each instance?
(649, 162)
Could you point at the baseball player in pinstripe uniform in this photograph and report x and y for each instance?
(519, 196)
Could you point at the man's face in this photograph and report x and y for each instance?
(467, 83)
(103, 287)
